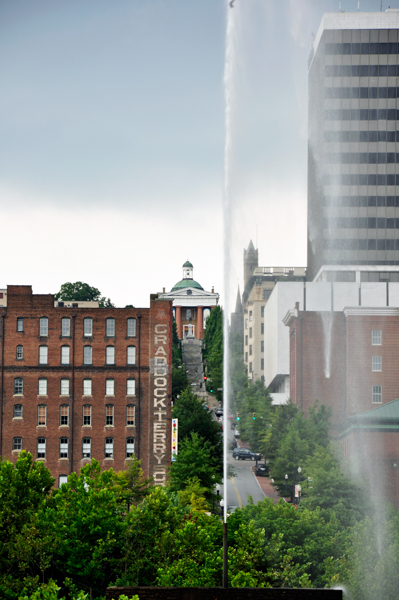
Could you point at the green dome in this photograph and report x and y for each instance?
(188, 264)
(186, 283)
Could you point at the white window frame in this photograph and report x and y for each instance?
(86, 447)
(86, 419)
(20, 410)
(66, 327)
(129, 447)
(40, 416)
(376, 337)
(17, 444)
(88, 327)
(110, 327)
(110, 387)
(20, 352)
(109, 415)
(62, 479)
(131, 327)
(110, 355)
(130, 387)
(377, 394)
(43, 327)
(128, 424)
(64, 386)
(41, 447)
(376, 363)
(18, 386)
(87, 355)
(109, 447)
(42, 386)
(65, 355)
(64, 417)
(20, 323)
(131, 355)
(64, 447)
(87, 387)
(43, 355)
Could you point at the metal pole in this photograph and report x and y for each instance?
(225, 556)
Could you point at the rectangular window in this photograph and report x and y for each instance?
(262, 311)
(262, 346)
(109, 414)
(250, 350)
(262, 328)
(18, 411)
(131, 355)
(86, 447)
(377, 394)
(18, 385)
(43, 326)
(376, 337)
(64, 387)
(250, 315)
(87, 387)
(110, 355)
(131, 387)
(63, 447)
(20, 324)
(262, 364)
(246, 340)
(250, 367)
(64, 414)
(110, 328)
(246, 323)
(376, 363)
(41, 447)
(88, 355)
(17, 443)
(43, 355)
(88, 326)
(131, 328)
(250, 332)
(246, 357)
(130, 414)
(65, 353)
(41, 415)
(110, 387)
(42, 387)
(129, 447)
(65, 327)
(62, 479)
(20, 352)
(87, 414)
(109, 448)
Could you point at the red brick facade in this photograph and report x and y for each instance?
(92, 382)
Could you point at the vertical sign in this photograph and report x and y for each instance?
(174, 438)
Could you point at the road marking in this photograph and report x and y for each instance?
(237, 492)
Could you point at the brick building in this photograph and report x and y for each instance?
(81, 382)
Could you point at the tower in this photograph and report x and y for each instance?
(250, 262)
(353, 178)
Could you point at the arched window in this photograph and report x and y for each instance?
(110, 327)
(109, 414)
(86, 447)
(129, 447)
(65, 355)
(109, 447)
(110, 355)
(41, 447)
(130, 387)
(64, 414)
(43, 326)
(131, 327)
(64, 443)
(42, 386)
(87, 387)
(131, 355)
(110, 387)
(88, 327)
(66, 327)
(87, 414)
(42, 414)
(43, 355)
(17, 443)
(18, 386)
(20, 352)
(18, 411)
(87, 355)
(62, 479)
(130, 414)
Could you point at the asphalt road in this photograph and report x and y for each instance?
(241, 483)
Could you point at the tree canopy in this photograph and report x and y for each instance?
(81, 292)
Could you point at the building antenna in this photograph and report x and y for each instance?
(381, 6)
(358, 5)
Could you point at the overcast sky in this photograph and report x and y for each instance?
(112, 137)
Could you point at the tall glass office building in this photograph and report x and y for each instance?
(353, 179)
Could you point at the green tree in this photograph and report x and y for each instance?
(80, 291)
(213, 351)
(254, 398)
(179, 375)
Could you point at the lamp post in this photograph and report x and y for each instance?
(299, 493)
(217, 487)
(225, 550)
(286, 481)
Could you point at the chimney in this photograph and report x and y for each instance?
(163, 290)
(213, 290)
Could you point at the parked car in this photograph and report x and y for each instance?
(219, 412)
(245, 454)
(233, 444)
(262, 470)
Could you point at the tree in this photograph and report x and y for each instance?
(80, 292)
(179, 375)
(213, 351)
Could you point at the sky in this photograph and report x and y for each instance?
(113, 139)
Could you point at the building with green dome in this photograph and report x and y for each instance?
(192, 305)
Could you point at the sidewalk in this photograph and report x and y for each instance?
(267, 488)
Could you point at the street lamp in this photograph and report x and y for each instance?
(217, 487)
(299, 493)
(286, 481)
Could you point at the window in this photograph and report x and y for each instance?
(87, 414)
(250, 315)
(87, 387)
(87, 355)
(109, 448)
(43, 326)
(110, 327)
(41, 414)
(246, 357)
(262, 346)
(65, 354)
(41, 447)
(64, 387)
(109, 414)
(250, 367)
(43, 355)
(246, 340)
(64, 414)
(246, 323)
(110, 355)
(110, 387)
(250, 350)
(262, 364)
(42, 387)
(129, 447)
(377, 394)
(131, 355)
(63, 447)
(130, 414)
(250, 332)
(88, 326)
(18, 411)
(262, 328)
(376, 363)
(131, 387)
(86, 447)
(17, 443)
(20, 352)
(18, 385)
(131, 328)
(20, 324)
(62, 479)
(65, 327)
(262, 311)
(376, 337)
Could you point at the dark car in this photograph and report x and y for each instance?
(233, 444)
(219, 412)
(245, 454)
(262, 470)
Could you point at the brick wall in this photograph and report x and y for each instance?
(22, 304)
(175, 593)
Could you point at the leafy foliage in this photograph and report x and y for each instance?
(213, 351)
(80, 291)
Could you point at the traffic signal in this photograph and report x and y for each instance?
(205, 377)
(238, 416)
(254, 416)
(211, 390)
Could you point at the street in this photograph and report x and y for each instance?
(240, 484)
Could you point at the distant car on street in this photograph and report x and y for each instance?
(219, 412)
(262, 470)
(245, 454)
